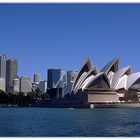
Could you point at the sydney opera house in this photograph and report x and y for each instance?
(111, 84)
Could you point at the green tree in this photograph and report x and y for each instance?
(3, 97)
(44, 96)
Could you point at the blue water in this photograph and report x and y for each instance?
(50, 122)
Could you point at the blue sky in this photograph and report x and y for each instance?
(43, 36)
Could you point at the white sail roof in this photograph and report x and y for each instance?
(119, 74)
(87, 66)
(111, 66)
(98, 81)
(90, 73)
(110, 76)
(121, 84)
(82, 74)
(132, 79)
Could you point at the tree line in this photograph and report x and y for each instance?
(21, 99)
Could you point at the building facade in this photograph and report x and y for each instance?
(71, 76)
(36, 78)
(16, 85)
(11, 73)
(43, 86)
(63, 81)
(3, 66)
(25, 85)
(2, 84)
(54, 78)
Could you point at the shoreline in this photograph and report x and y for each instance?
(91, 106)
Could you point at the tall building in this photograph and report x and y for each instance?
(25, 85)
(36, 78)
(54, 78)
(43, 86)
(3, 66)
(2, 84)
(55, 87)
(71, 76)
(16, 85)
(63, 82)
(11, 73)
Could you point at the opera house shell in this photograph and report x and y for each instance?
(110, 84)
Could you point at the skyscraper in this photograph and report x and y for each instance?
(25, 85)
(71, 76)
(36, 78)
(54, 78)
(2, 84)
(16, 85)
(11, 73)
(43, 86)
(63, 82)
(70, 79)
(55, 87)
(3, 66)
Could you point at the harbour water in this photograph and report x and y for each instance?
(64, 122)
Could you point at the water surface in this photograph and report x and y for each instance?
(48, 122)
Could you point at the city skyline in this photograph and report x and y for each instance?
(10, 81)
(44, 36)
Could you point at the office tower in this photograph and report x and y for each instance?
(36, 78)
(3, 66)
(43, 86)
(63, 82)
(16, 85)
(25, 85)
(11, 73)
(54, 78)
(71, 76)
(2, 84)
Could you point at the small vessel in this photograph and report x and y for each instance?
(70, 108)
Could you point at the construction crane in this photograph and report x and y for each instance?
(30, 85)
(59, 81)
